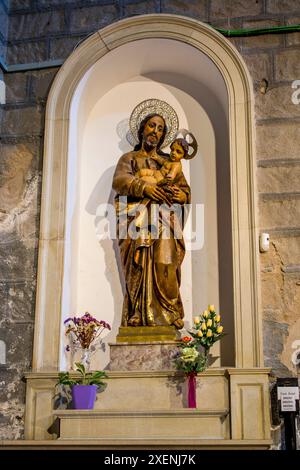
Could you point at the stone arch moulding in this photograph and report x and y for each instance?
(248, 343)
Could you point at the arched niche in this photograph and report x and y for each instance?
(98, 128)
(210, 85)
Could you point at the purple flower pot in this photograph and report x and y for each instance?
(84, 396)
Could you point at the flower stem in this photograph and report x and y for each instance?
(206, 353)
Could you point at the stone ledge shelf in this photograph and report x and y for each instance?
(159, 396)
(138, 444)
(167, 424)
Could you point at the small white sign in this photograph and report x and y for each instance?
(288, 397)
(2, 92)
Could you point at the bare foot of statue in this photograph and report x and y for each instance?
(134, 321)
(179, 323)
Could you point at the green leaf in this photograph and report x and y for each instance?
(64, 379)
(80, 368)
(99, 374)
(63, 376)
(97, 382)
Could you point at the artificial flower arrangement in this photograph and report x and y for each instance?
(85, 330)
(207, 329)
(194, 350)
(84, 334)
(190, 360)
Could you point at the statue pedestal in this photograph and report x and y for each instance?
(144, 348)
(142, 334)
(146, 356)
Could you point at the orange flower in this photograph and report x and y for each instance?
(186, 339)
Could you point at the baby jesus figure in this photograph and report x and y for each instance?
(170, 169)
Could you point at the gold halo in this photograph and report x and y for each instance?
(190, 140)
(153, 106)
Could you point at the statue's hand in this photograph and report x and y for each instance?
(179, 195)
(155, 192)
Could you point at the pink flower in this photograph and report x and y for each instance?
(86, 329)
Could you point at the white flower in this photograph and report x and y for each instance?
(189, 354)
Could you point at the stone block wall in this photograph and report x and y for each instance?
(20, 187)
(48, 30)
(3, 27)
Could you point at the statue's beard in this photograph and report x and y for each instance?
(151, 141)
